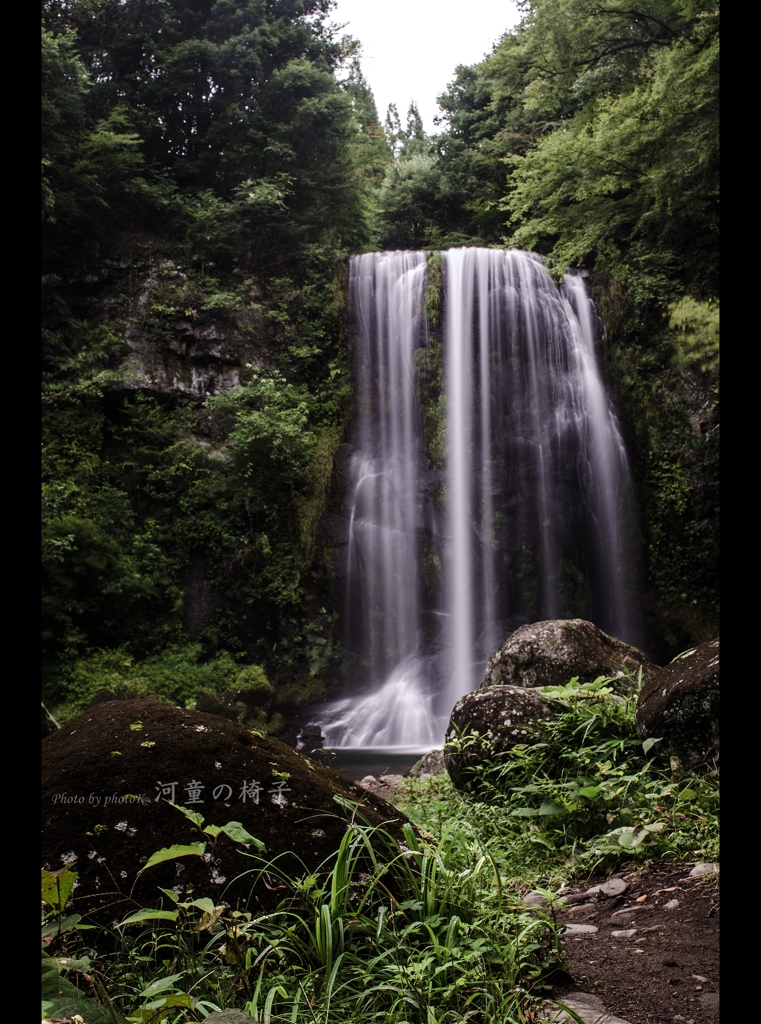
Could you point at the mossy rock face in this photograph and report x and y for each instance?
(489, 722)
(552, 652)
(108, 774)
(680, 704)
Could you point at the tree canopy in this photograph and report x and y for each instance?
(248, 118)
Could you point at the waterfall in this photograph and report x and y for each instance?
(525, 519)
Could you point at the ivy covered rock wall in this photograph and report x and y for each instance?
(188, 461)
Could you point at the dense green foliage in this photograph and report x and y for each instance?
(590, 135)
(167, 520)
(225, 121)
(587, 794)
(380, 932)
(207, 167)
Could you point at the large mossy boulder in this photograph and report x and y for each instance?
(106, 780)
(551, 653)
(680, 705)
(487, 723)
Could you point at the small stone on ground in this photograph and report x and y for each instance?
(590, 1008)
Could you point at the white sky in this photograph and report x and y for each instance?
(411, 47)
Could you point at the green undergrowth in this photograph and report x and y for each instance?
(587, 796)
(174, 676)
(382, 932)
(426, 931)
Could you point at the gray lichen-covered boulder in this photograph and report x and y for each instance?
(429, 764)
(680, 704)
(489, 722)
(551, 653)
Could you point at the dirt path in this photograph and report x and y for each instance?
(649, 964)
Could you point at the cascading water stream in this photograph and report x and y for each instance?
(525, 520)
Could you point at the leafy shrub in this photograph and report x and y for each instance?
(253, 680)
(587, 794)
(174, 675)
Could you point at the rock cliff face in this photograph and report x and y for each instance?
(183, 340)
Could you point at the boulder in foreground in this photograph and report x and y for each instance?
(552, 652)
(680, 705)
(491, 721)
(106, 780)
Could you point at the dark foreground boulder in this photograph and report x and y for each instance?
(553, 652)
(106, 778)
(680, 704)
(492, 721)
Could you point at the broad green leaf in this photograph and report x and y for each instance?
(236, 831)
(548, 808)
(154, 1011)
(541, 841)
(173, 852)
(590, 792)
(150, 915)
(650, 742)
(656, 826)
(194, 816)
(204, 904)
(50, 977)
(57, 886)
(160, 984)
(626, 839)
(173, 896)
(70, 921)
(687, 794)
(63, 998)
(81, 964)
(524, 812)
